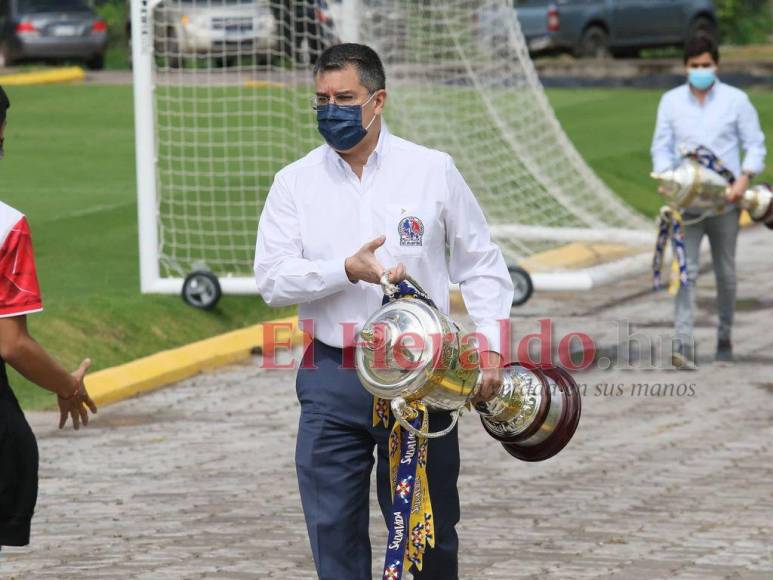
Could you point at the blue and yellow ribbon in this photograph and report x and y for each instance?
(708, 159)
(670, 226)
(411, 523)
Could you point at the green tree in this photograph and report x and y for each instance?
(744, 21)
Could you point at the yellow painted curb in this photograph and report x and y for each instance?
(571, 256)
(577, 255)
(574, 256)
(265, 85)
(169, 366)
(57, 75)
(456, 305)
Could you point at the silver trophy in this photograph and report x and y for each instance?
(758, 201)
(691, 185)
(410, 351)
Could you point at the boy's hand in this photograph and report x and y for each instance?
(76, 402)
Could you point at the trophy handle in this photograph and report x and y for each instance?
(399, 407)
(386, 286)
(391, 289)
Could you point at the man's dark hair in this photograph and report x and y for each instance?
(370, 70)
(700, 43)
(5, 104)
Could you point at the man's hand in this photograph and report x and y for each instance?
(365, 266)
(74, 402)
(491, 376)
(736, 191)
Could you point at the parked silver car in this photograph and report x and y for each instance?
(51, 30)
(223, 29)
(219, 29)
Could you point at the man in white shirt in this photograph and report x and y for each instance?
(364, 203)
(706, 112)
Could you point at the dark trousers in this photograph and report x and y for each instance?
(334, 459)
(18, 471)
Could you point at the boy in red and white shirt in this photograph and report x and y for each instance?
(19, 296)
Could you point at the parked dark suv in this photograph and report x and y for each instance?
(51, 30)
(598, 28)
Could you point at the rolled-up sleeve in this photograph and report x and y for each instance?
(752, 137)
(283, 275)
(475, 261)
(663, 141)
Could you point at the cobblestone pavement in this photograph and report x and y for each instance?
(197, 480)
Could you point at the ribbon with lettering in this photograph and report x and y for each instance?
(670, 226)
(411, 520)
(708, 159)
(380, 411)
(411, 524)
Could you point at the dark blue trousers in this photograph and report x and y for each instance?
(334, 458)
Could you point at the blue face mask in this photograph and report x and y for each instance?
(341, 125)
(701, 78)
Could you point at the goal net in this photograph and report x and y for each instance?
(222, 102)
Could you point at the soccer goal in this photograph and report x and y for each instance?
(222, 101)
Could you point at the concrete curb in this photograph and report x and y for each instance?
(572, 256)
(170, 366)
(59, 75)
(578, 255)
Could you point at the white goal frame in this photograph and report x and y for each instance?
(147, 174)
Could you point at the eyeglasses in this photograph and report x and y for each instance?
(343, 100)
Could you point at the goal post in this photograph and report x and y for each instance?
(222, 102)
(145, 144)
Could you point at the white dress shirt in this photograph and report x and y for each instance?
(318, 213)
(725, 123)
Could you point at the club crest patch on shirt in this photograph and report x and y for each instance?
(411, 231)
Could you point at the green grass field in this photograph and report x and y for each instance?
(70, 167)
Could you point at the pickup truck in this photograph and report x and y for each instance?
(600, 28)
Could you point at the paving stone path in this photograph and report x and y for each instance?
(197, 480)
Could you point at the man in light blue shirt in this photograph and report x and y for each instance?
(706, 112)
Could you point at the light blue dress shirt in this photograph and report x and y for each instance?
(726, 122)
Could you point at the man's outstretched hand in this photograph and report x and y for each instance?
(78, 403)
(363, 265)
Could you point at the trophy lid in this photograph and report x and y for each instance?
(395, 353)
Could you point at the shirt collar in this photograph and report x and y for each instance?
(382, 147)
(710, 96)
